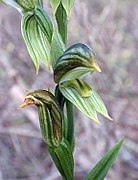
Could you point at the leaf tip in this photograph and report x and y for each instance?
(37, 70)
(96, 120)
(97, 68)
(109, 118)
(121, 141)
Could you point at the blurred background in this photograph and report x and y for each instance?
(110, 27)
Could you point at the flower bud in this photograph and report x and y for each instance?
(76, 61)
(50, 115)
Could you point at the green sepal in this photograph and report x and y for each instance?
(81, 86)
(88, 105)
(23, 5)
(76, 61)
(63, 158)
(102, 167)
(98, 103)
(44, 22)
(57, 48)
(35, 40)
(82, 103)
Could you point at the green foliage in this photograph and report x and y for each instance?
(57, 48)
(61, 18)
(63, 158)
(44, 22)
(102, 167)
(32, 33)
(89, 104)
(46, 42)
(55, 4)
(67, 4)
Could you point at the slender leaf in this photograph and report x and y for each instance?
(35, 41)
(57, 48)
(62, 20)
(55, 4)
(102, 167)
(68, 4)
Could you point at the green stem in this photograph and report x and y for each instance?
(70, 123)
(59, 97)
(61, 100)
(62, 21)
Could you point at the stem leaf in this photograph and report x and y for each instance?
(55, 4)
(57, 48)
(35, 41)
(44, 22)
(63, 158)
(102, 167)
(62, 20)
(68, 4)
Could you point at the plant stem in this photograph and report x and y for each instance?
(70, 119)
(62, 21)
(60, 98)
